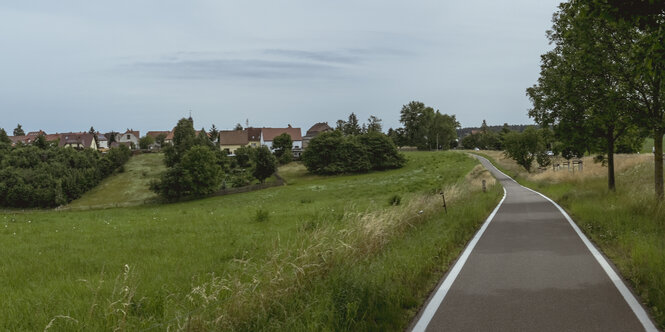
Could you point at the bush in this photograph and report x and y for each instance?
(286, 157)
(332, 153)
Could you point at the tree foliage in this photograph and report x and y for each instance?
(524, 147)
(281, 144)
(334, 153)
(146, 141)
(427, 129)
(18, 131)
(44, 175)
(265, 164)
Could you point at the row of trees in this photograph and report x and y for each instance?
(45, 175)
(197, 167)
(425, 128)
(604, 80)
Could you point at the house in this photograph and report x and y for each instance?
(231, 140)
(130, 136)
(314, 131)
(254, 137)
(78, 141)
(102, 142)
(269, 134)
(154, 135)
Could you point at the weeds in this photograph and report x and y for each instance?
(395, 200)
(261, 215)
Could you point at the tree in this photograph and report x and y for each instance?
(238, 127)
(18, 131)
(426, 128)
(160, 139)
(281, 143)
(3, 137)
(214, 134)
(244, 156)
(265, 164)
(93, 132)
(351, 126)
(381, 151)
(184, 137)
(202, 139)
(111, 137)
(523, 147)
(582, 88)
(374, 124)
(198, 174)
(146, 141)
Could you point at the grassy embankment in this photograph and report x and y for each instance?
(627, 225)
(122, 189)
(323, 253)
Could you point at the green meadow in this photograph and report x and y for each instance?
(126, 188)
(352, 252)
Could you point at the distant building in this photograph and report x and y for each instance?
(314, 131)
(130, 136)
(78, 141)
(231, 140)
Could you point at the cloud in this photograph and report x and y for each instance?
(262, 64)
(232, 68)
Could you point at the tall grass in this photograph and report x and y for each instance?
(627, 225)
(331, 255)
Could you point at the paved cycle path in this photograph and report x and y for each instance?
(529, 268)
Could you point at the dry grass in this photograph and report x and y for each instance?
(228, 302)
(591, 169)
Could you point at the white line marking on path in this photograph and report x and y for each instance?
(618, 282)
(436, 300)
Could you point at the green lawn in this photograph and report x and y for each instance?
(323, 253)
(627, 225)
(126, 188)
(647, 146)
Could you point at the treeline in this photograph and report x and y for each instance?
(462, 132)
(45, 175)
(425, 128)
(196, 166)
(604, 81)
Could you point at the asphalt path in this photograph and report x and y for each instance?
(529, 268)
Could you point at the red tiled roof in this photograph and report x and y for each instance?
(269, 134)
(233, 137)
(136, 133)
(154, 134)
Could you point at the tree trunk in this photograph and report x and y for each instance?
(611, 185)
(658, 161)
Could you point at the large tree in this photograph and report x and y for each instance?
(646, 61)
(582, 89)
(426, 128)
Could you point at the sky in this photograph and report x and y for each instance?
(68, 65)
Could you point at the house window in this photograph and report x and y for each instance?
(127, 136)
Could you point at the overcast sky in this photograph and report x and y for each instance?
(68, 65)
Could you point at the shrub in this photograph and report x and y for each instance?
(332, 153)
(286, 157)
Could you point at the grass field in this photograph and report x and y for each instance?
(356, 252)
(126, 188)
(627, 225)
